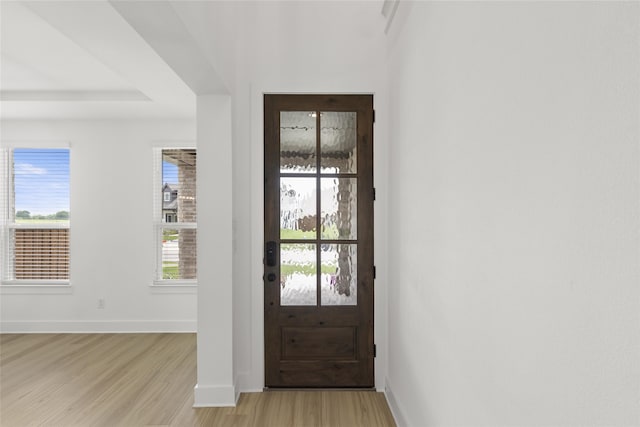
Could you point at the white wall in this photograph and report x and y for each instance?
(284, 47)
(215, 276)
(112, 244)
(514, 214)
(278, 47)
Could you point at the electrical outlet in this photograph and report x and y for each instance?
(100, 303)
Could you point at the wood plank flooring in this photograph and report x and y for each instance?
(148, 379)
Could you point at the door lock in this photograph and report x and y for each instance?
(270, 253)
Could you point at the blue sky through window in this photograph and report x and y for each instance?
(41, 180)
(169, 173)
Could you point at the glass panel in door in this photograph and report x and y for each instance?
(298, 208)
(298, 274)
(339, 274)
(313, 187)
(338, 142)
(339, 205)
(298, 142)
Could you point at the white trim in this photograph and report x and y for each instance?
(177, 225)
(5, 186)
(162, 285)
(36, 287)
(156, 167)
(236, 389)
(158, 227)
(393, 405)
(214, 396)
(92, 327)
(256, 251)
(243, 384)
(174, 287)
(73, 95)
(164, 145)
(36, 144)
(45, 225)
(36, 283)
(8, 220)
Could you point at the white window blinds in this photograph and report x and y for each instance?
(175, 214)
(36, 212)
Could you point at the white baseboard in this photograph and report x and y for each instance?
(393, 405)
(119, 326)
(240, 384)
(214, 396)
(246, 384)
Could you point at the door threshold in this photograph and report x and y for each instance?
(319, 389)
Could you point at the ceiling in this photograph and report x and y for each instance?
(83, 60)
(99, 59)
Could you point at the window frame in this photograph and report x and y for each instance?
(8, 284)
(159, 222)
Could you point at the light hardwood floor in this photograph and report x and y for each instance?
(148, 379)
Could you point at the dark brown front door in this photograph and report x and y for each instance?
(318, 261)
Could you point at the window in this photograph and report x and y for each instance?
(175, 196)
(35, 215)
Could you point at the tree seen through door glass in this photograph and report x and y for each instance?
(338, 142)
(339, 274)
(298, 208)
(339, 203)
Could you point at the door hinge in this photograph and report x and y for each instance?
(375, 351)
(374, 193)
(374, 116)
(374, 271)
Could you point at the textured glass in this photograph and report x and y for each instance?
(339, 203)
(338, 142)
(297, 142)
(297, 208)
(298, 274)
(339, 280)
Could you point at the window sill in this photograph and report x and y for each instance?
(27, 287)
(174, 287)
